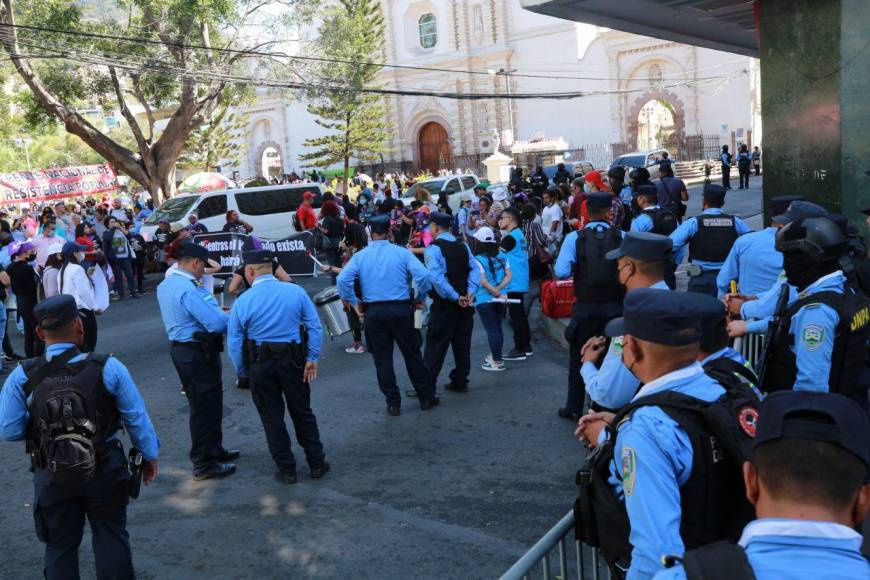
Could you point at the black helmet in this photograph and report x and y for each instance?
(819, 238)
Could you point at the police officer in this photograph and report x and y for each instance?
(385, 272)
(725, 160)
(62, 500)
(195, 324)
(656, 219)
(597, 289)
(709, 237)
(822, 344)
(455, 277)
(274, 338)
(653, 454)
(753, 260)
(642, 259)
(808, 481)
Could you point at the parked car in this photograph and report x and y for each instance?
(269, 209)
(455, 185)
(648, 159)
(575, 168)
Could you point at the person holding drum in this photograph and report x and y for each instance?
(355, 239)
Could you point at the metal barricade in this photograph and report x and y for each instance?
(540, 555)
(751, 347)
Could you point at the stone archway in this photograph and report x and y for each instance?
(672, 101)
(434, 145)
(268, 167)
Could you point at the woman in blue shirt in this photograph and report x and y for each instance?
(495, 275)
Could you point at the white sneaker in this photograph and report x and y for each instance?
(355, 349)
(493, 366)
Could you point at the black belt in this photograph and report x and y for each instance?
(388, 302)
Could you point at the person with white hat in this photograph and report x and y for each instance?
(53, 262)
(495, 275)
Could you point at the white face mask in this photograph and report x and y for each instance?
(80, 256)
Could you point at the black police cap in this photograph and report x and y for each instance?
(380, 224)
(647, 189)
(193, 250)
(56, 312)
(441, 219)
(799, 210)
(815, 416)
(255, 257)
(598, 200)
(779, 204)
(659, 316)
(711, 310)
(714, 192)
(643, 246)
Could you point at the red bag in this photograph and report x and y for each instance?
(557, 298)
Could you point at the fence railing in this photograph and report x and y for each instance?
(540, 557)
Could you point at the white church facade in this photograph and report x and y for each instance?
(639, 92)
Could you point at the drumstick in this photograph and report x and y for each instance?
(316, 261)
(507, 300)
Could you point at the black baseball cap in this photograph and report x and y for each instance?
(380, 224)
(798, 210)
(193, 250)
(815, 416)
(441, 219)
(599, 200)
(659, 316)
(643, 246)
(257, 257)
(56, 312)
(714, 192)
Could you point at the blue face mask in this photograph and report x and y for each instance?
(586, 187)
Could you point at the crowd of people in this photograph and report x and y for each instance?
(690, 443)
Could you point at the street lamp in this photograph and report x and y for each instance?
(506, 74)
(24, 141)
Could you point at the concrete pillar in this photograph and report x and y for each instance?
(497, 167)
(815, 75)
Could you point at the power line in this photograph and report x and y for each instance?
(250, 52)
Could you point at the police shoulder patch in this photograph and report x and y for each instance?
(812, 336)
(629, 470)
(616, 345)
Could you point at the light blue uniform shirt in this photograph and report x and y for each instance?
(643, 222)
(652, 460)
(519, 261)
(494, 276)
(567, 254)
(760, 311)
(187, 308)
(437, 265)
(687, 230)
(753, 261)
(272, 311)
(780, 548)
(384, 270)
(612, 385)
(14, 414)
(813, 328)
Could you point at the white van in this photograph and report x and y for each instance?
(455, 185)
(268, 209)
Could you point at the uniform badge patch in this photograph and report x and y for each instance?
(748, 418)
(812, 336)
(616, 345)
(629, 466)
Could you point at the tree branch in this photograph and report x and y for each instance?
(149, 113)
(143, 144)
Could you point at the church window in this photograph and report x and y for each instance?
(428, 30)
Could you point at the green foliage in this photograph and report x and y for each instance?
(351, 32)
(213, 143)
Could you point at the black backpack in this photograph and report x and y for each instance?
(71, 415)
(664, 221)
(721, 434)
(596, 279)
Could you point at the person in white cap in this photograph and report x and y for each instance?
(495, 275)
(53, 262)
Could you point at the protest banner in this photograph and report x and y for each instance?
(56, 183)
(226, 249)
(292, 253)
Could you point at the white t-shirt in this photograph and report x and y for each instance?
(552, 213)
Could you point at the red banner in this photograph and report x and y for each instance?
(57, 183)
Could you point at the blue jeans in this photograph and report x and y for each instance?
(491, 315)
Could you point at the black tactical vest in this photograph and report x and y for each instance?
(714, 238)
(456, 258)
(596, 279)
(849, 357)
(664, 221)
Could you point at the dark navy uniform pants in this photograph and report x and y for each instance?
(587, 320)
(387, 324)
(59, 513)
(200, 373)
(449, 326)
(705, 283)
(276, 381)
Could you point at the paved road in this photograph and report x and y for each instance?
(459, 491)
(742, 202)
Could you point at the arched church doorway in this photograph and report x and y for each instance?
(656, 127)
(271, 163)
(435, 151)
